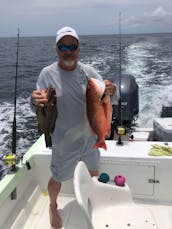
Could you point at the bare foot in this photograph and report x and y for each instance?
(55, 219)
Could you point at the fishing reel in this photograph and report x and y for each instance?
(120, 131)
(12, 160)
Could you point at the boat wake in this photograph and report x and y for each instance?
(26, 126)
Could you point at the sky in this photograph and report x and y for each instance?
(88, 17)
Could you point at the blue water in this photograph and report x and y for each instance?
(148, 57)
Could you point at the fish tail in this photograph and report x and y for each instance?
(100, 145)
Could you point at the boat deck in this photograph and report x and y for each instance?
(30, 210)
(35, 215)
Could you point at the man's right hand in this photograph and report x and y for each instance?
(39, 98)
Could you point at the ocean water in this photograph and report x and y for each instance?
(147, 57)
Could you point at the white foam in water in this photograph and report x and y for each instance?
(23, 114)
(151, 96)
(100, 61)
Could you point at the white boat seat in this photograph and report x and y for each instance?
(108, 206)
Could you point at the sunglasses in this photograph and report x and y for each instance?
(64, 48)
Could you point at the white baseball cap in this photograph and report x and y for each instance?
(64, 32)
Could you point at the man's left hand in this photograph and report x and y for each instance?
(109, 88)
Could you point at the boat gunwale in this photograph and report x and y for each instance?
(10, 181)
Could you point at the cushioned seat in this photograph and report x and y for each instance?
(108, 205)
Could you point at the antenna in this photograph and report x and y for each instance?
(15, 98)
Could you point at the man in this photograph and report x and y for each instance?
(72, 139)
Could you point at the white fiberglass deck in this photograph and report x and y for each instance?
(38, 206)
(36, 213)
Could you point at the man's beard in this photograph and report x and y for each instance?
(69, 60)
(69, 63)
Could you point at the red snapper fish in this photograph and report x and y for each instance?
(99, 111)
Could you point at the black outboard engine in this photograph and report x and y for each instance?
(166, 112)
(126, 112)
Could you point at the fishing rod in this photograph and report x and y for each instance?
(120, 129)
(120, 63)
(12, 159)
(15, 98)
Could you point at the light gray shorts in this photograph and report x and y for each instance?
(65, 158)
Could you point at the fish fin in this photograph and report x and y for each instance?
(100, 145)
